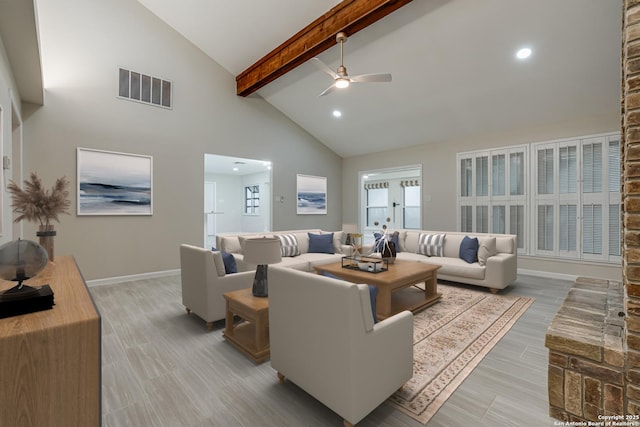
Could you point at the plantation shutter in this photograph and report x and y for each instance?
(592, 168)
(516, 174)
(498, 175)
(482, 176)
(592, 229)
(568, 228)
(614, 230)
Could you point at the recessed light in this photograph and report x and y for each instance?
(337, 113)
(523, 53)
(235, 169)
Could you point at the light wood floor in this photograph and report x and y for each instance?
(163, 368)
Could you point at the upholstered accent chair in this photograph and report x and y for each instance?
(323, 338)
(204, 281)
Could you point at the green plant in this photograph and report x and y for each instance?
(37, 204)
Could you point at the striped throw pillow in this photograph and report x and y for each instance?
(288, 245)
(431, 244)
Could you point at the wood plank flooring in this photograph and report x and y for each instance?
(163, 368)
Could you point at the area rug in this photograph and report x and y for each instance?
(450, 338)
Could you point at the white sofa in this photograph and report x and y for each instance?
(499, 269)
(323, 339)
(204, 281)
(305, 261)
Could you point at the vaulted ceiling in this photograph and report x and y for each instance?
(455, 75)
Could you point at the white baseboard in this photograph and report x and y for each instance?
(131, 278)
(548, 274)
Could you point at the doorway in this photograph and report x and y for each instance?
(392, 197)
(237, 196)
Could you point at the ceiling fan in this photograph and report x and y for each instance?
(341, 78)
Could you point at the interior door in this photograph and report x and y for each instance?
(210, 214)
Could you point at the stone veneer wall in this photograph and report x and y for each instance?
(631, 196)
(586, 354)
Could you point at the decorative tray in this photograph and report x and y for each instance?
(364, 263)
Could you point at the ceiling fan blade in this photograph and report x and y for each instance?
(372, 78)
(324, 67)
(328, 90)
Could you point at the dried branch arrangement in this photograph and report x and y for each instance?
(37, 204)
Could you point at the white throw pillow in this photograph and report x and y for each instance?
(431, 244)
(487, 249)
(289, 245)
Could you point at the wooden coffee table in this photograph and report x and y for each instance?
(250, 336)
(392, 296)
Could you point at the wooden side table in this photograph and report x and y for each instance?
(251, 336)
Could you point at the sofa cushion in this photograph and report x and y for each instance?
(486, 249)
(321, 243)
(456, 267)
(410, 242)
(229, 244)
(452, 245)
(469, 249)
(431, 244)
(338, 236)
(505, 245)
(288, 245)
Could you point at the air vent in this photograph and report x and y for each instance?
(144, 88)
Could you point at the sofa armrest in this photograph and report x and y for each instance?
(390, 343)
(232, 282)
(501, 270)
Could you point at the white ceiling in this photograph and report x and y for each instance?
(454, 71)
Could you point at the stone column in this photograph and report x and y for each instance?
(630, 157)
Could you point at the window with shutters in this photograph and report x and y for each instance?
(564, 194)
(577, 198)
(492, 192)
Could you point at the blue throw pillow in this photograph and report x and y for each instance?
(229, 261)
(321, 243)
(373, 293)
(469, 249)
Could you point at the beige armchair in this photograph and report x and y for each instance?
(204, 281)
(323, 339)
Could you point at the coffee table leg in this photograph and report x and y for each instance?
(430, 286)
(383, 302)
(228, 321)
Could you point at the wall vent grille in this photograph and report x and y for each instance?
(139, 87)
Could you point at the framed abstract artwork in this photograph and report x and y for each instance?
(111, 183)
(312, 195)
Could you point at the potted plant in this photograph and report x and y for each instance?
(36, 204)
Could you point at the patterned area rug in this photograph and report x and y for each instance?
(450, 339)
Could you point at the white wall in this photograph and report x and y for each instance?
(83, 42)
(9, 107)
(439, 180)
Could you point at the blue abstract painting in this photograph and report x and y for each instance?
(312, 194)
(111, 183)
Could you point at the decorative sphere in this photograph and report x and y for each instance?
(21, 260)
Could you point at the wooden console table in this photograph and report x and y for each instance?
(50, 360)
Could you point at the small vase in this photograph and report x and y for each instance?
(46, 234)
(389, 252)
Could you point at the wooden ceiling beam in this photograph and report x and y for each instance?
(349, 16)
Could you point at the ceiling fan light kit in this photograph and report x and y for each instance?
(340, 77)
